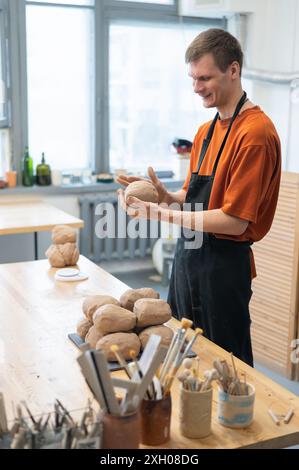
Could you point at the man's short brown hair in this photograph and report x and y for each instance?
(224, 47)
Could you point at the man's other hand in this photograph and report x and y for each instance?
(125, 180)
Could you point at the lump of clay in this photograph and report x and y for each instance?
(143, 190)
(83, 327)
(92, 303)
(111, 318)
(129, 297)
(55, 257)
(63, 234)
(70, 253)
(151, 312)
(160, 330)
(60, 256)
(126, 342)
(93, 336)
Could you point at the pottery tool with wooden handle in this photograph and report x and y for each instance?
(115, 349)
(174, 347)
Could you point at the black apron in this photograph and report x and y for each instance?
(211, 285)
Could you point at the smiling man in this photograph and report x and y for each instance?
(234, 174)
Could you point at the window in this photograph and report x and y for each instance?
(86, 95)
(60, 74)
(5, 162)
(151, 96)
(66, 2)
(161, 2)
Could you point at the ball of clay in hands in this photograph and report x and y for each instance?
(160, 330)
(83, 327)
(111, 318)
(93, 336)
(63, 234)
(128, 298)
(151, 312)
(126, 342)
(143, 190)
(60, 256)
(93, 302)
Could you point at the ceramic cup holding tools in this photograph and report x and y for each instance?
(121, 432)
(236, 411)
(195, 413)
(155, 421)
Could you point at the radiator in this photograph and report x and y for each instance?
(93, 209)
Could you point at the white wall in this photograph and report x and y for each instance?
(272, 46)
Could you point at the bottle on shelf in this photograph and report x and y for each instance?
(27, 169)
(43, 173)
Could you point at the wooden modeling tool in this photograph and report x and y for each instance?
(135, 362)
(274, 417)
(288, 416)
(129, 402)
(115, 349)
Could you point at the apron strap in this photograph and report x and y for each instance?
(206, 142)
(208, 139)
(237, 110)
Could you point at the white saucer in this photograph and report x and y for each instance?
(67, 272)
(74, 278)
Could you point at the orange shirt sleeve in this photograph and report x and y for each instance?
(250, 176)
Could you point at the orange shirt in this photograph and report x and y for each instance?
(247, 179)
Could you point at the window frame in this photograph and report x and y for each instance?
(113, 10)
(106, 12)
(6, 122)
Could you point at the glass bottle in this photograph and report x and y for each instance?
(27, 169)
(43, 173)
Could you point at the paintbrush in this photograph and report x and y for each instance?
(174, 349)
(179, 360)
(198, 331)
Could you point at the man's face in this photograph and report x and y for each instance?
(214, 86)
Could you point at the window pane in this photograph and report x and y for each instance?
(2, 84)
(5, 151)
(164, 2)
(3, 75)
(66, 2)
(60, 85)
(151, 96)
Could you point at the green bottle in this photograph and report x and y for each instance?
(27, 169)
(43, 173)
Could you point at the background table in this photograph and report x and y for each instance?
(38, 361)
(35, 216)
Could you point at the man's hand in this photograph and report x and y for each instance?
(162, 191)
(138, 209)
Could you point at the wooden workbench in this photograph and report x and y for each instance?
(38, 362)
(31, 217)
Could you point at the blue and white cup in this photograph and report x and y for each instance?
(236, 411)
